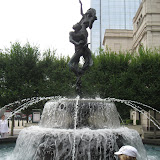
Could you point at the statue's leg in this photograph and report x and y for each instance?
(73, 63)
(88, 59)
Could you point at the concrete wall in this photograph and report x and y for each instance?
(118, 40)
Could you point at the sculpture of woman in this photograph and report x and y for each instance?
(79, 38)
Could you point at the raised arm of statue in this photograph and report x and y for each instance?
(81, 8)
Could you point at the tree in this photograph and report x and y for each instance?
(57, 79)
(21, 71)
(130, 76)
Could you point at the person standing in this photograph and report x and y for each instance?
(3, 127)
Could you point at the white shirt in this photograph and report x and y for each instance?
(3, 126)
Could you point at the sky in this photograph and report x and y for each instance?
(42, 23)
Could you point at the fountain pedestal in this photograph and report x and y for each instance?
(94, 114)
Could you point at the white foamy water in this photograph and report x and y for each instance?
(38, 142)
(153, 158)
(76, 129)
(91, 113)
(153, 152)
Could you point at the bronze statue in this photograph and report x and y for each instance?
(79, 38)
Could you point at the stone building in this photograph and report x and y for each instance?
(146, 25)
(118, 39)
(111, 14)
(146, 30)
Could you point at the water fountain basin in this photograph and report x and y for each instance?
(47, 143)
(94, 114)
(97, 135)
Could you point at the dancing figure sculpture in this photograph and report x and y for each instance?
(79, 38)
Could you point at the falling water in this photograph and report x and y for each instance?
(133, 105)
(11, 104)
(29, 102)
(151, 118)
(75, 127)
(17, 103)
(48, 143)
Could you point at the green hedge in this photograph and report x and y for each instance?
(25, 73)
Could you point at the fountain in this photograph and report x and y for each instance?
(77, 129)
(97, 135)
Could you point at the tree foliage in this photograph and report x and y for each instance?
(26, 73)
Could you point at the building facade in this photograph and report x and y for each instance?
(146, 25)
(118, 40)
(111, 14)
